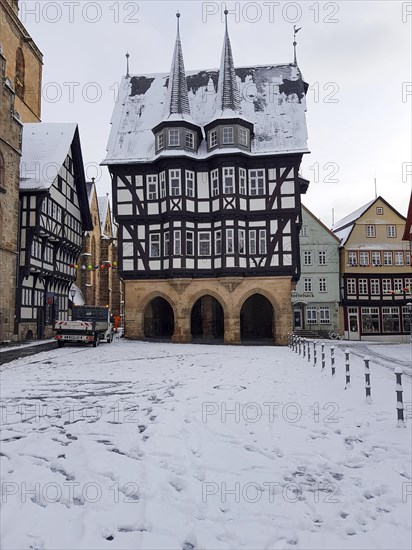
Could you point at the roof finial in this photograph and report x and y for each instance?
(178, 26)
(295, 32)
(127, 62)
(226, 14)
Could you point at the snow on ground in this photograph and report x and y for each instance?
(153, 445)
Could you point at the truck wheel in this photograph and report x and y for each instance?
(110, 339)
(60, 343)
(96, 341)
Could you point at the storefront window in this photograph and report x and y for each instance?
(370, 320)
(390, 318)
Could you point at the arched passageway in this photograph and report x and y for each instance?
(257, 319)
(159, 319)
(207, 320)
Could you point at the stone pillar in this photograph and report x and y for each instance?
(182, 332)
(232, 330)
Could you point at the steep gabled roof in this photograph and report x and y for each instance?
(104, 211)
(227, 89)
(407, 236)
(320, 223)
(343, 228)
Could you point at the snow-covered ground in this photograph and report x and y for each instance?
(152, 446)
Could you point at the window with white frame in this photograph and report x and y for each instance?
(363, 286)
(406, 319)
(370, 231)
(363, 259)
(386, 285)
(214, 176)
(242, 181)
(229, 180)
(324, 315)
(190, 183)
(155, 245)
(370, 319)
(375, 287)
(218, 242)
(311, 315)
(212, 138)
(304, 232)
(379, 210)
(391, 231)
(398, 258)
(204, 243)
(243, 137)
(256, 182)
(407, 258)
(173, 137)
(307, 284)
(242, 249)
(167, 244)
(160, 140)
(151, 187)
(376, 258)
(351, 286)
(229, 241)
(262, 241)
(352, 259)
(322, 284)
(190, 140)
(307, 257)
(390, 319)
(177, 243)
(174, 180)
(408, 284)
(162, 184)
(252, 241)
(189, 243)
(321, 257)
(387, 258)
(397, 285)
(228, 135)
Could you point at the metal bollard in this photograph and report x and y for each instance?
(332, 359)
(367, 379)
(300, 345)
(314, 354)
(323, 355)
(308, 352)
(399, 397)
(347, 369)
(304, 347)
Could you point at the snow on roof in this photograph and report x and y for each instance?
(272, 98)
(343, 234)
(351, 218)
(45, 147)
(103, 204)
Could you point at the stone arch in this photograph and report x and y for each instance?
(205, 291)
(158, 316)
(257, 318)
(207, 318)
(257, 290)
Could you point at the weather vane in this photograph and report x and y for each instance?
(295, 32)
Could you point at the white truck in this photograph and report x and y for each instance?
(89, 325)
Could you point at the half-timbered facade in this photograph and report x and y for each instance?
(206, 192)
(376, 278)
(54, 215)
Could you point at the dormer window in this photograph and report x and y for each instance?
(212, 138)
(243, 137)
(190, 140)
(174, 137)
(228, 135)
(160, 141)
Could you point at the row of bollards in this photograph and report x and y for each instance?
(301, 346)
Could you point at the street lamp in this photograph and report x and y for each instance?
(72, 295)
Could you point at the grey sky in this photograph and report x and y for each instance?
(356, 57)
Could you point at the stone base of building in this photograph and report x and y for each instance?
(230, 310)
(29, 331)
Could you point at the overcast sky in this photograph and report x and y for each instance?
(356, 57)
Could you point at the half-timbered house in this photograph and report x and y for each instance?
(207, 195)
(376, 278)
(54, 213)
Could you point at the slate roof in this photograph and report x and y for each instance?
(272, 97)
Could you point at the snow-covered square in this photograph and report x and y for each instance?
(189, 447)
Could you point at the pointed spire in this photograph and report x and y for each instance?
(295, 32)
(127, 63)
(178, 99)
(227, 90)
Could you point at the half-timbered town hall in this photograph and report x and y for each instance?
(207, 195)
